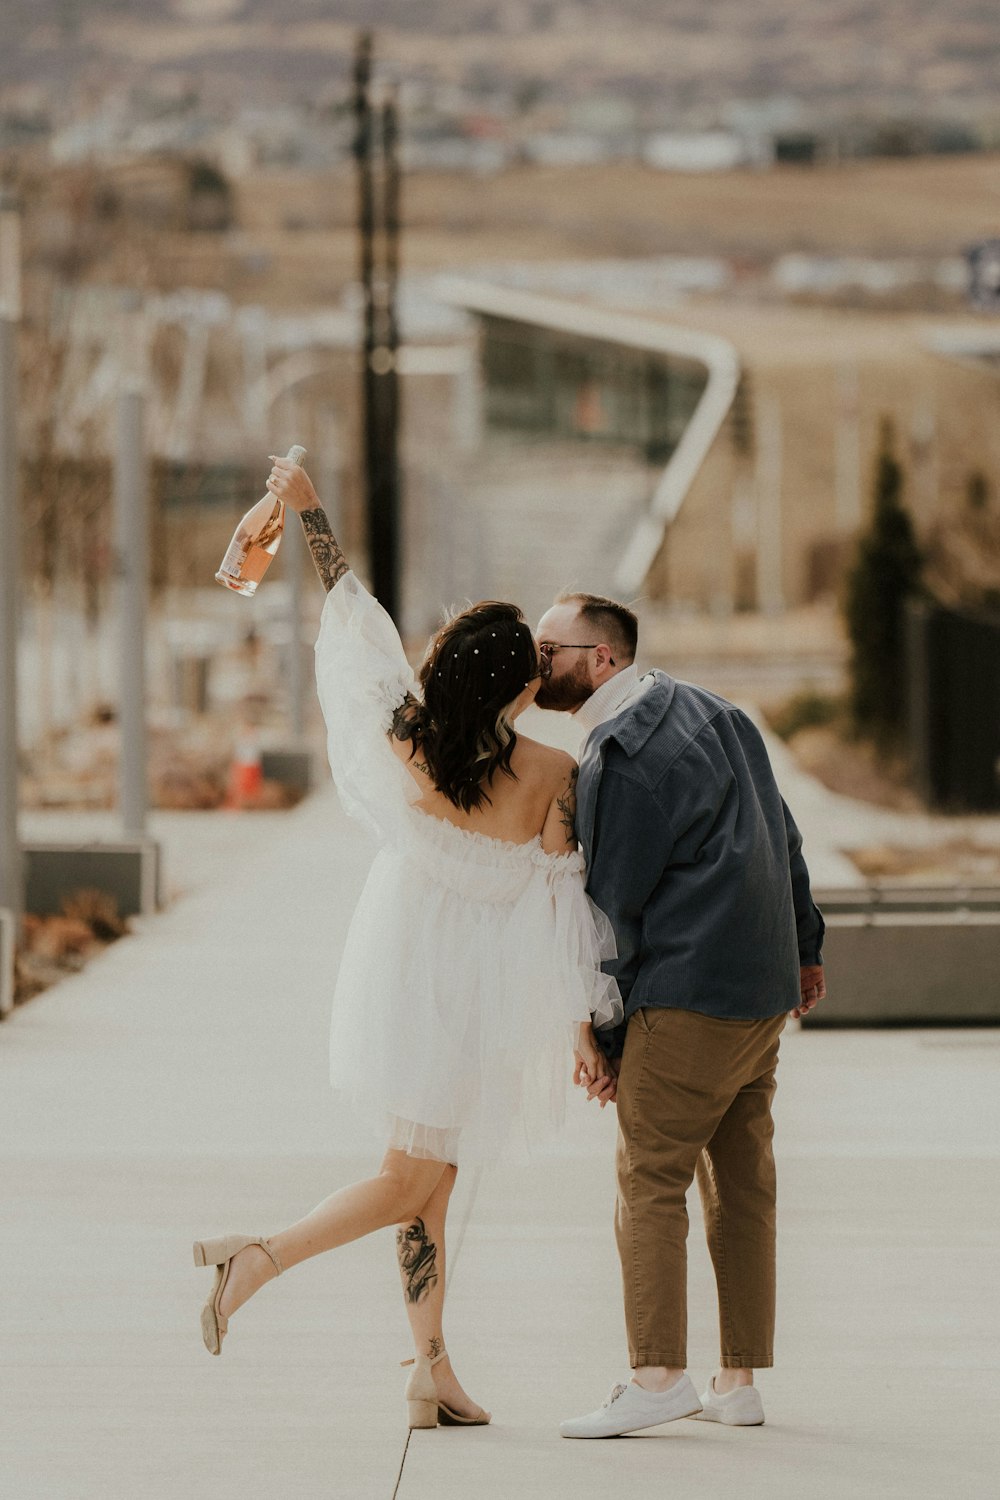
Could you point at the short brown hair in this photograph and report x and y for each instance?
(609, 621)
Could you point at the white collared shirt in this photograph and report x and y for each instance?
(607, 701)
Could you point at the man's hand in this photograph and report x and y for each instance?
(812, 987)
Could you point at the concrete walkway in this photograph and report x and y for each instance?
(177, 1088)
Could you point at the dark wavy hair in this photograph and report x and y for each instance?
(476, 665)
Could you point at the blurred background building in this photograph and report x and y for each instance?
(667, 280)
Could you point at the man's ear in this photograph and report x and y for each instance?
(604, 658)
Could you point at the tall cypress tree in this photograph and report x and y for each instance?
(886, 572)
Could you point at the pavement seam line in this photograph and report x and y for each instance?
(402, 1463)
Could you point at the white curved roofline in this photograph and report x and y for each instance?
(717, 355)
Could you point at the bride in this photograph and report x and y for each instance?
(473, 957)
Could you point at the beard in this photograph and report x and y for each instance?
(564, 694)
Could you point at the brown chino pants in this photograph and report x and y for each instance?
(694, 1097)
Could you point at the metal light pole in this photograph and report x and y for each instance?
(378, 230)
(132, 569)
(11, 868)
(386, 361)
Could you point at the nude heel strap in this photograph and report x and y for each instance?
(219, 1253)
(216, 1252)
(449, 1418)
(420, 1386)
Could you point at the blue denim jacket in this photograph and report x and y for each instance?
(695, 858)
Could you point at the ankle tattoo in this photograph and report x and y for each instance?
(417, 1261)
(434, 1347)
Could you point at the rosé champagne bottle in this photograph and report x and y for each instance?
(255, 540)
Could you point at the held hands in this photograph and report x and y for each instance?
(592, 1071)
(812, 987)
(290, 482)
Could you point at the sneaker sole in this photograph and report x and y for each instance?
(708, 1416)
(601, 1436)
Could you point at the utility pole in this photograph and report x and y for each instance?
(375, 150)
(132, 567)
(11, 870)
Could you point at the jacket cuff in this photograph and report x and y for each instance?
(611, 1040)
(811, 947)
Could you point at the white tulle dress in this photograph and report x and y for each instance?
(469, 960)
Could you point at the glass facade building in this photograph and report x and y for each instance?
(547, 384)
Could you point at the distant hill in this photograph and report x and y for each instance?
(672, 58)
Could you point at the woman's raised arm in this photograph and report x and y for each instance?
(291, 484)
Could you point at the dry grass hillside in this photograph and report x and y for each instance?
(294, 243)
(926, 206)
(932, 207)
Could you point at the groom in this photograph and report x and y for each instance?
(694, 857)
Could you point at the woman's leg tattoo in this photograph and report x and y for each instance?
(417, 1260)
(420, 1251)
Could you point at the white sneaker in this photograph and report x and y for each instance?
(629, 1408)
(741, 1407)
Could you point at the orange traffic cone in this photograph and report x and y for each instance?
(246, 774)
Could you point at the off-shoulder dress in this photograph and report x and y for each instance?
(469, 959)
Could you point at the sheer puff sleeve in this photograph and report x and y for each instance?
(362, 676)
(584, 941)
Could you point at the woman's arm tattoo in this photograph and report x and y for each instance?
(331, 564)
(567, 805)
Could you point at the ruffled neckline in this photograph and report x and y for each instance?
(500, 850)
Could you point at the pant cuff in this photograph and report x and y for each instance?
(672, 1360)
(746, 1361)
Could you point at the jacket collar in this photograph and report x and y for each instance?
(633, 726)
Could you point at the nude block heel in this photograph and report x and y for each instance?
(422, 1404)
(421, 1392)
(421, 1413)
(220, 1253)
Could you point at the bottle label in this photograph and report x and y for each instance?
(236, 555)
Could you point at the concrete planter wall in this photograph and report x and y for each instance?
(129, 871)
(917, 957)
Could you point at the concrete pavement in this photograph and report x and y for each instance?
(177, 1088)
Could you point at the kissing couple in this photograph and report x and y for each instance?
(649, 909)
